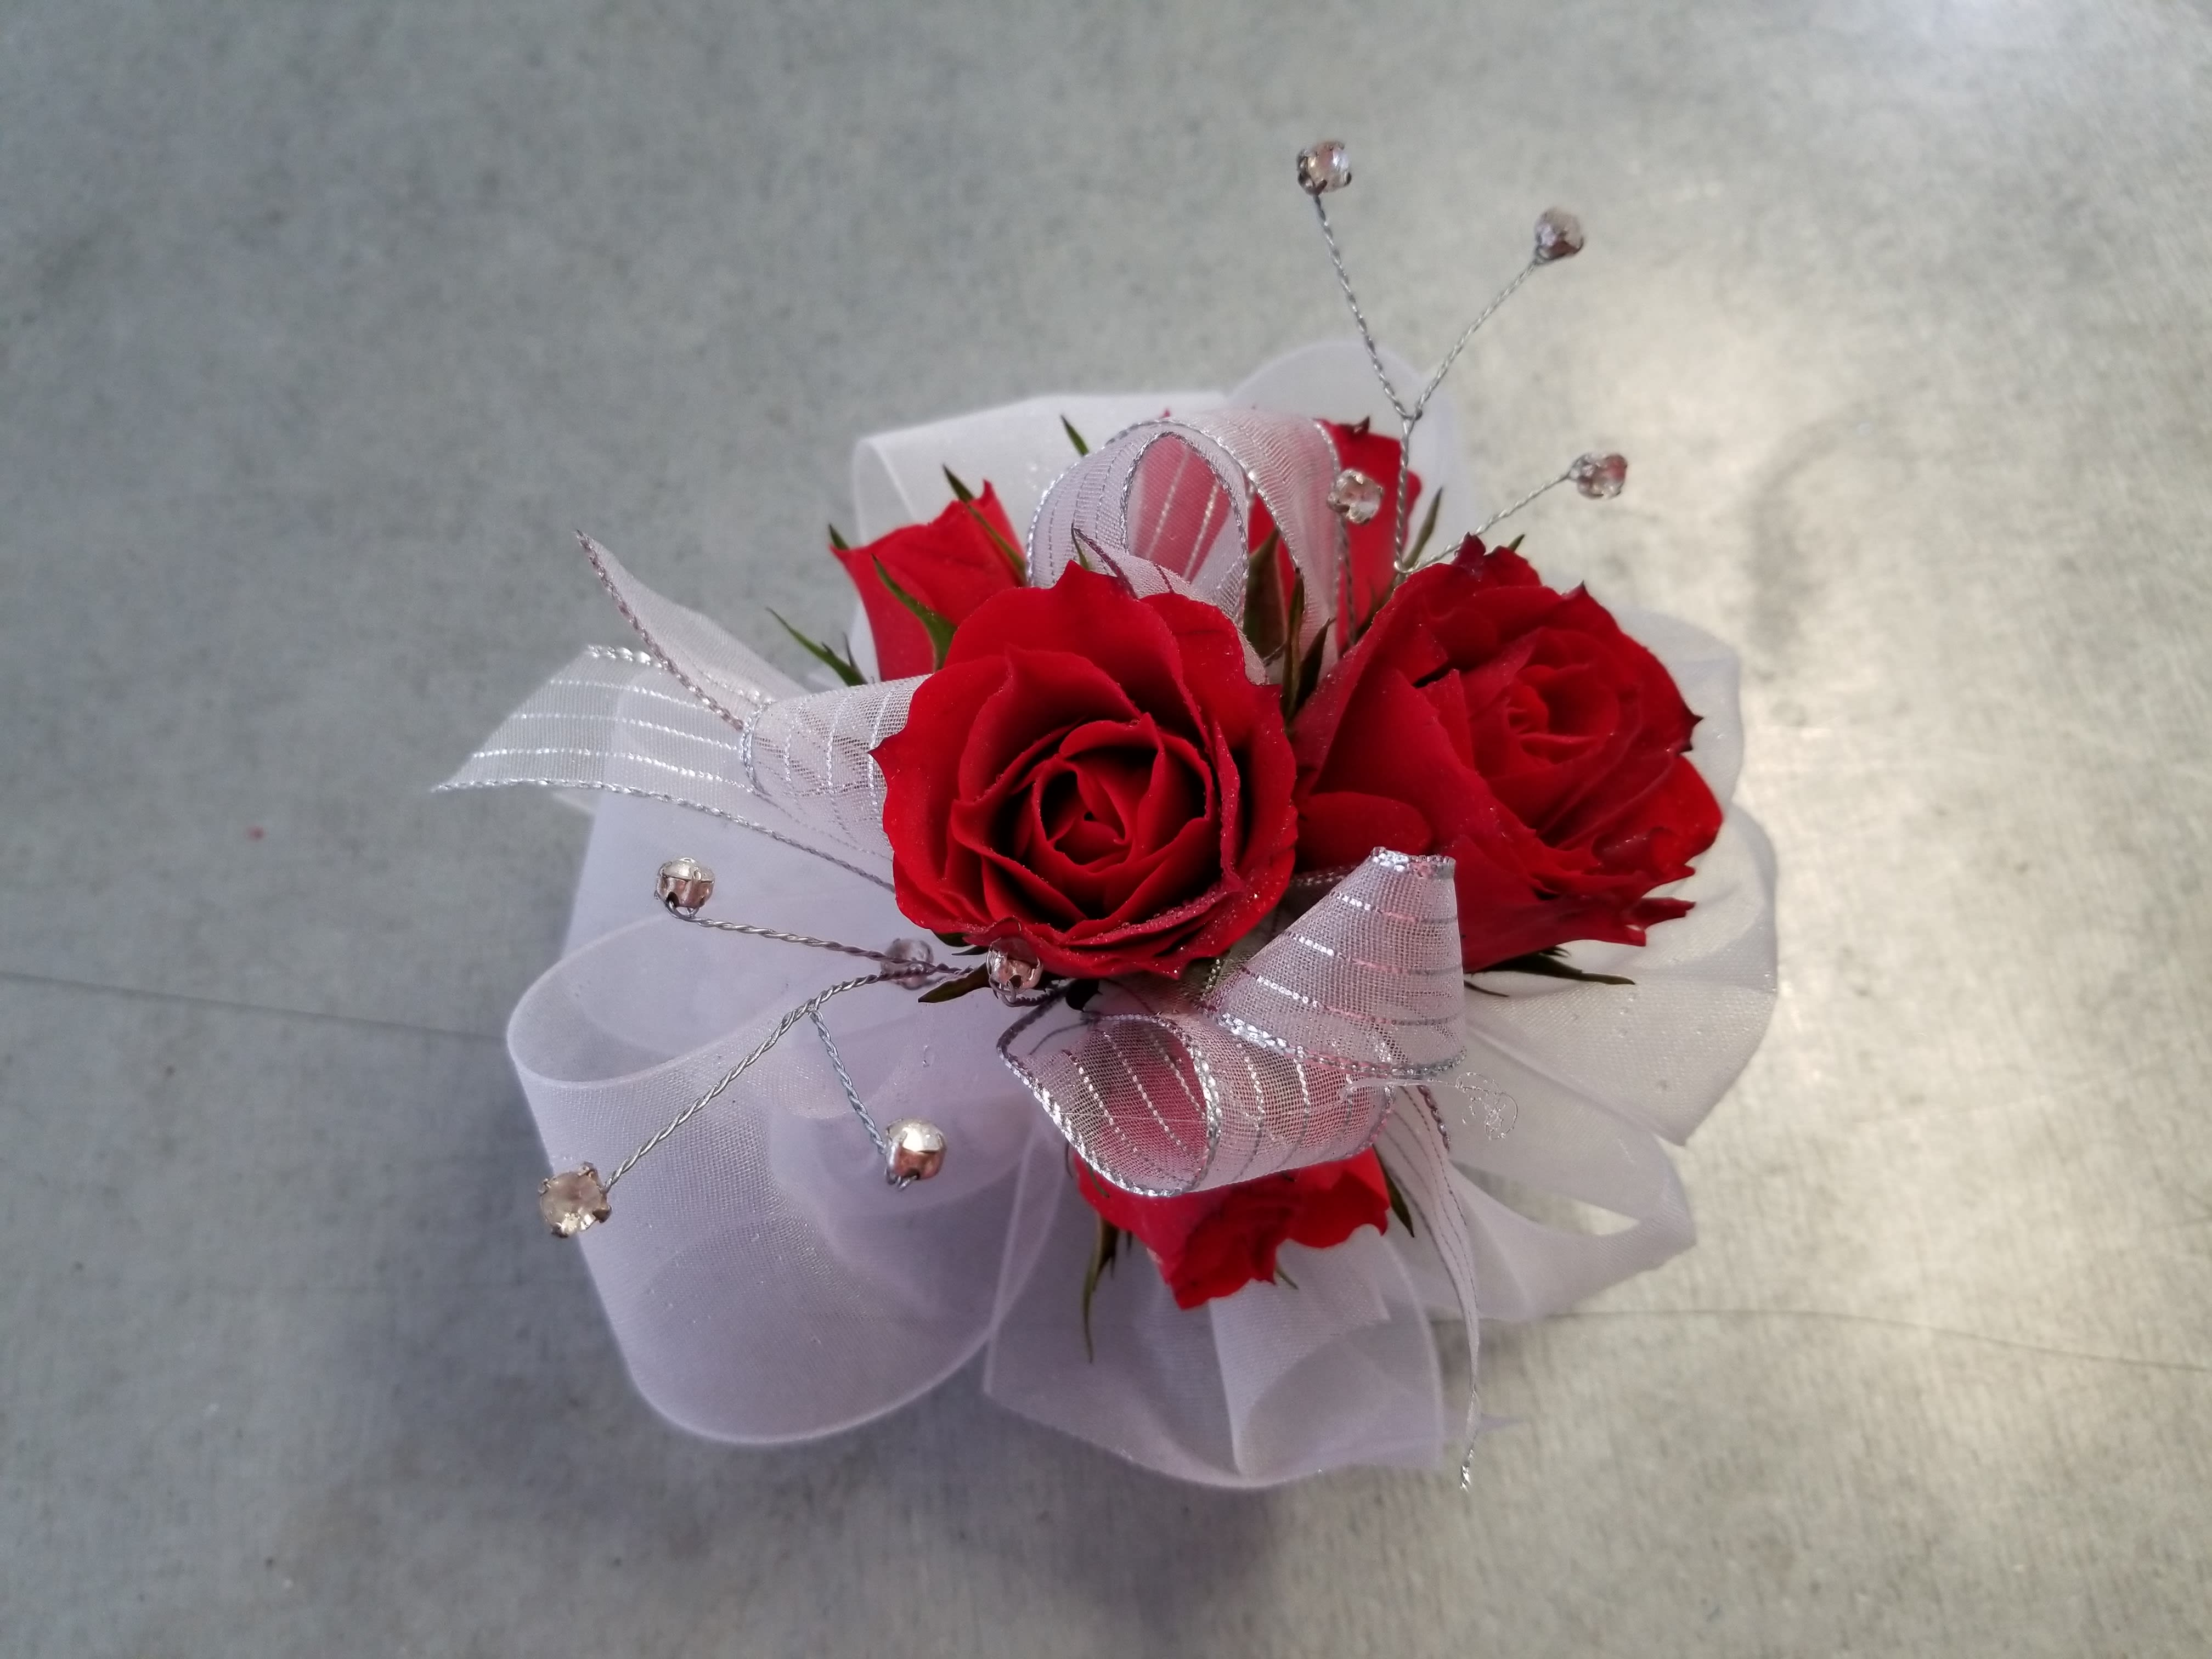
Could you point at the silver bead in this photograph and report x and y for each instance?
(1012, 969)
(685, 884)
(1558, 236)
(1324, 166)
(916, 1152)
(916, 952)
(1599, 476)
(1355, 497)
(573, 1202)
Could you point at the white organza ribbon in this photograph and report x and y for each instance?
(1163, 1089)
(763, 1282)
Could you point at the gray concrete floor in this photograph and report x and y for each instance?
(320, 327)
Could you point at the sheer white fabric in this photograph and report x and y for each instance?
(765, 1286)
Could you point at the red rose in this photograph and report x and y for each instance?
(1215, 1242)
(951, 564)
(1370, 554)
(1521, 731)
(1092, 773)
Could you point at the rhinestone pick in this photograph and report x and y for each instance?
(1324, 166)
(573, 1202)
(1599, 476)
(1558, 236)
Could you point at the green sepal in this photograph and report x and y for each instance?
(1282, 1277)
(843, 667)
(1293, 624)
(1103, 1253)
(1399, 1207)
(1301, 675)
(1263, 598)
(974, 979)
(838, 541)
(1309, 672)
(1550, 963)
(1007, 550)
(1074, 436)
(939, 629)
(1428, 529)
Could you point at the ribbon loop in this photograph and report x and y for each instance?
(1368, 980)
(1166, 1090)
(717, 670)
(812, 756)
(1167, 505)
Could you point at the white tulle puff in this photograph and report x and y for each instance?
(765, 1284)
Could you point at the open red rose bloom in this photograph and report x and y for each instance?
(1093, 775)
(1519, 731)
(1096, 781)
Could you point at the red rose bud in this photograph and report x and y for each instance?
(1092, 773)
(951, 565)
(1215, 1242)
(1521, 731)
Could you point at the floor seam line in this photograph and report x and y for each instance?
(192, 1000)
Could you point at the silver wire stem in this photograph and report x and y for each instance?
(1409, 415)
(1505, 512)
(1406, 416)
(1405, 475)
(806, 1009)
(845, 1082)
(911, 969)
(1421, 404)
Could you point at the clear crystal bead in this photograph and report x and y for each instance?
(1324, 166)
(1599, 476)
(1355, 497)
(917, 1152)
(916, 952)
(1012, 968)
(1558, 236)
(573, 1200)
(685, 884)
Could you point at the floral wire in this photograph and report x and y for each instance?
(1410, 418)
(1508, 512)
(1452, 356)
(913, 968)
(806, 1009)
(1359, 317)
(899, 970)
(845, 1082)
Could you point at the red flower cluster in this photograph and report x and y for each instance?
(1094, 775)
